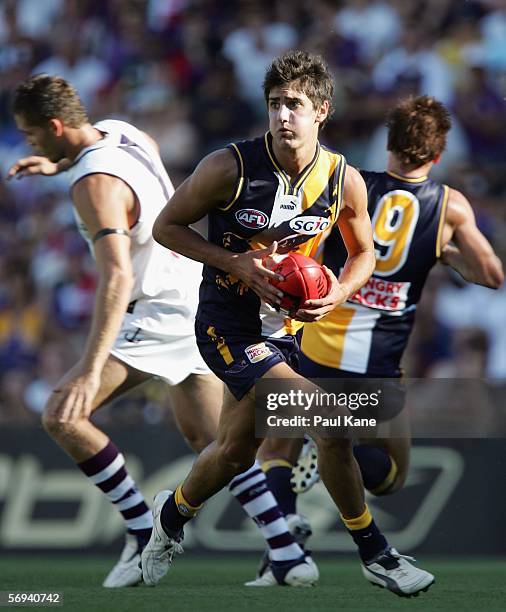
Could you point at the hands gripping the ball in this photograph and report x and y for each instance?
(314, 310)
(310, 290)
(297, 284)
(254, 268)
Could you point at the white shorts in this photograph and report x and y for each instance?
(169, 356)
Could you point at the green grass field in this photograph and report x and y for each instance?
(215, 584)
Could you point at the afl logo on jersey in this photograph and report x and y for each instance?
(252, 218)
(309, 226)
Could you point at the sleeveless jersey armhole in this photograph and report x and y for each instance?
(137, 202)
(240, 179)
(340, 186)
(442, 219)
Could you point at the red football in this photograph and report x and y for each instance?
(304, 279)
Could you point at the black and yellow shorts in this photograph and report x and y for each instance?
(241, 359)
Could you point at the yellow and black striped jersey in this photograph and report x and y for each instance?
(267, 206)
(369, 333)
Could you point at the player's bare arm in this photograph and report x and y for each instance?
(102, 201)
(355, 227)
(37, 164)
(466, 249)
(212, 184)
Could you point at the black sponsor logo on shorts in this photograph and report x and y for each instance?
(133, 337)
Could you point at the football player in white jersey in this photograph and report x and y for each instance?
(143, 317)
(143, 320)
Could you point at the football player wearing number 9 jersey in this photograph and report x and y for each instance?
(416, 223)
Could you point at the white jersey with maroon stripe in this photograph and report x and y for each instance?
(157, 334)
(165, 283)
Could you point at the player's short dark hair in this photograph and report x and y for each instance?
(43, 97)
(417, 129)
(310, 73)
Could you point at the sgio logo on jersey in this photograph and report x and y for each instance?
(252, 218)
(309, 226)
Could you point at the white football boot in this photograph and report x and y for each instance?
(156, 558)
(393, 571)
(300, 528)
(305, 472)
(126, 572)
(304, 574)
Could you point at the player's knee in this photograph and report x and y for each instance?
(52, 424)
(239, 454)
(56, 425)
(49, 422)
(199, 440)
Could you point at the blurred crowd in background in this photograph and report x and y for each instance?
(189, 73)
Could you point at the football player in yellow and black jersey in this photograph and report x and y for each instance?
(416, 223)
(276, 193)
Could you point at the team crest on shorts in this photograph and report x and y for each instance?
(257, 352)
